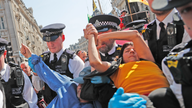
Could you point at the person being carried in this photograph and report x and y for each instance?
(68, 93)
(137, 73)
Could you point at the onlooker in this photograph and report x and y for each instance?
(122, 24)
(18, 88)
(82, 54)
(177, 65)
(68, 93)
(58, 58)
(158, 40)
(25, 67)
(134, 75)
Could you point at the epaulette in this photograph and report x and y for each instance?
(118, 47)
(45, 53)
(151, 23)
(70, 53)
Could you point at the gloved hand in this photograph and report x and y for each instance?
(100, 79)
(126, 100)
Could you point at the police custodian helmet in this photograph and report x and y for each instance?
(105, 22)
(51, 32)
(162, 5)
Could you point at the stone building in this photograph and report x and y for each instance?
(82, 44)
(17, 25)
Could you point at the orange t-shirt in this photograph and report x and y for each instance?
(139, 77)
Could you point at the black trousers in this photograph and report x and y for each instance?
(164, 98)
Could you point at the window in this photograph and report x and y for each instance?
(2, 26)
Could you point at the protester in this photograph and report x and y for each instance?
(179, 94)
(58, 58)
(19, 91)
(158, 40)
(68, 93)
(134, 75)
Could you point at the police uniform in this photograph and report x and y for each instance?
(104, 23)
(2, 97)
(23, 95)
(159, 45)
(176, 66)
(66, 63)
(136, 25)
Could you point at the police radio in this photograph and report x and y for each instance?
(171, 34)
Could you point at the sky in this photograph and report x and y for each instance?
(72, 13)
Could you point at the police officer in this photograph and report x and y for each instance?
(158, 41)
(18, 88)
(105, 24)
(58, 58)
(177, 65)
(110, 50)
(136, 25)
(2, 97)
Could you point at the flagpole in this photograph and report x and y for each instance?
(100, 7)
(129, 9)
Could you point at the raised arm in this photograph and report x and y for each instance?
(94, 57)
(140, 46)
(44, 72)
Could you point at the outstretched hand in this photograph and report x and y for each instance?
(126, 100)
(25, 51)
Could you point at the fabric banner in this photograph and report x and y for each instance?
(94, 6)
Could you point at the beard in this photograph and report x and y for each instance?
(108, 46)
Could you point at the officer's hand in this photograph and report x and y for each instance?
(91, 30)
(126, 100)
(25, 51)
(100, 79)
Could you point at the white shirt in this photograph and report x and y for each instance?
(1, 99)
(75, 65)
(38, 84)
(29, 94)
(111, 51)
(167, 20)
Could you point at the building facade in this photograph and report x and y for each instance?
(82, 44)
(17, 25)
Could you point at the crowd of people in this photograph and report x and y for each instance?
(150, 70)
